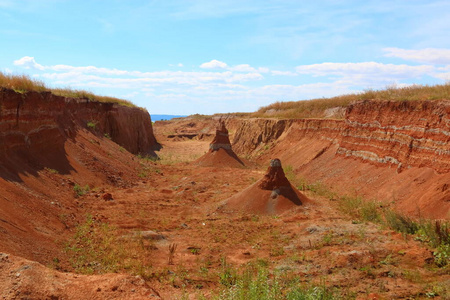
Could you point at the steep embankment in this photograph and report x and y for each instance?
(36, 121)
(50, 148)
(394, 152)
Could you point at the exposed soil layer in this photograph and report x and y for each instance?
(56, 169)
(394, 152)
(272, 195)
(52, 148)
(39, 123)
(220, 153)
(367, 154)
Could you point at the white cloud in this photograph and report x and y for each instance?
(363, 70)
(214, 64)
(28, 62)
(283, 73)
(242, 68)
(428, 55)
(443, 76)
(228, 88)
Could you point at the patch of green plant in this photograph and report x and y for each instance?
(95, 248)
(359, 209)
(90, 249)
(53, 171)
(442, 255)
(106, 135)
(148, 157)
(276, 251)
(228, 274)
(289, 172)
(434, 233)
(255, 282)
(80, 191)
(91, 125)
(142, 174)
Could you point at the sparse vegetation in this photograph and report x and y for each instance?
(52, 171)
(172, 249)
(255, 282)
(80, 191)
(317, 108)
(96, 248)
(434, 233)
(23, 83)
(91, 125)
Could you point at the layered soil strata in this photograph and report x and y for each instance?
(394, 152)
(220, 153)
(41, 122)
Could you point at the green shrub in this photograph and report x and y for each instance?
(400, 223)
(256, 283)
(92, 125)
(442, 255)
(80, 191)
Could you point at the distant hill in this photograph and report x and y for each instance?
(164, 117)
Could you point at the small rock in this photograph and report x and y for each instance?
(107, 197)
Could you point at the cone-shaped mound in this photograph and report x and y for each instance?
(271, 195)
(220, 153)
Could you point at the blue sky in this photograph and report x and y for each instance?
(186, 57)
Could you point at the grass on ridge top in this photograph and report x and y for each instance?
(23, 83)
(317, 108)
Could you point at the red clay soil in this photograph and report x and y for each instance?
(364, 155)
(220, 158)
(38, 203)
(220, 153)
(271, 195)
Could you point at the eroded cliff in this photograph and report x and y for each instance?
(394, 152)
(40, 122)
(52, 148)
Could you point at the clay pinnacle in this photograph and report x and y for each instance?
(275, 177)
(221, 140)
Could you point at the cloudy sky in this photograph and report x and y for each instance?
(203, 56)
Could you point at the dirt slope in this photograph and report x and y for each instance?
(49, 156)
(24, 279)
(394, 152)
(142, 208)
(272, 195)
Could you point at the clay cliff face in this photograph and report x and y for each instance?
(41, 122)
(394, 152)
(402, 134)
(46, 149)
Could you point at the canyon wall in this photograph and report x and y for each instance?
(394, 152)
(41, 122)
(404, 134)
(48, 146)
